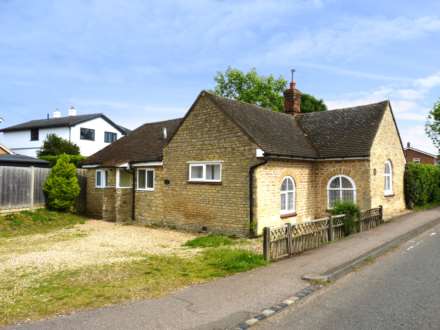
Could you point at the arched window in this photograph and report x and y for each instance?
(287, 196)
(388, 178)
(340, 188)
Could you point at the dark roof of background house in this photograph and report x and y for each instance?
(66, 121)
(341, 133)
(143, 144)
(14, 159)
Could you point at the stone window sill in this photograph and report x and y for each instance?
(389, 195)
(288, 215)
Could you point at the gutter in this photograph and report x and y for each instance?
(251, 196)
(281, 157)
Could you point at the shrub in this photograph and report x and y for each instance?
(209, 241)
(352, 213)
(61, 186)
(422, 184)
(56, 145)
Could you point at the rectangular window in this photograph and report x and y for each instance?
(87, 134)
(123, 178)
(34, 134)
(416, 160)
(145, 179)
(205, 172)
(101, 179)
(109, 137)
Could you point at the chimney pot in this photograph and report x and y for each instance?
(72, 111)
(408, 145)
(56, 114)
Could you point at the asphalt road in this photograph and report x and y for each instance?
(400, 290)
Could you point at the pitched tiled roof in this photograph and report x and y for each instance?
(341, 133)
(66, 121)
(143, 144)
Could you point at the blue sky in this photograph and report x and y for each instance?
(140, 61)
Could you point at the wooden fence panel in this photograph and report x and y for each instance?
(40, 176)
(287, 240)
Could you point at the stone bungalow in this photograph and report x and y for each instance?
(233, 167)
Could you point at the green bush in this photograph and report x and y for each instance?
(56, 145)
(74, 159)
(422, 184)
(61, 186)
(209, 241)
(352, 213)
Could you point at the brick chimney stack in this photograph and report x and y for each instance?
(292, 99)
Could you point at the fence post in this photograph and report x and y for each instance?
(266, 243)
(381, 213)
(32, 188)
(289, 239)
(331, 235)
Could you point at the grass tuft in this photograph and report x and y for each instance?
(232, 260)
(210, 241)
(35, 222)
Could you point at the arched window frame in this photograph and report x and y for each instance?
(388, 178)
(285, 194)
(340, 189)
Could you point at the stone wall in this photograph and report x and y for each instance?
(206, 135)
(386, 146)
(149, 204)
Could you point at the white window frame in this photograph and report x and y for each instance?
(416, 160)
(286, 192)
(103, 179)
(118, 180)
(340, 189)
(388, 192)
(146, 179)
(203, 165)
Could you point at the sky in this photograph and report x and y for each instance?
(144, 61)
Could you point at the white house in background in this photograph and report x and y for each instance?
(90, 132)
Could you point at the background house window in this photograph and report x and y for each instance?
(416, 160)
(388, 178)
(340, 188)
(123, 178)
(109, 137)
(87, 134)
(35, 134)
(145, 179)
(101, 179)
(287, 196)
(205, 172)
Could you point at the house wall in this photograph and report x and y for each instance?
(207, 134)
(411, 155)
(101, 201)
(267, 184)
(20, 142)
(149, 204)
(100, 126)
(386, 146)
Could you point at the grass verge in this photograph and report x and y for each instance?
(35, 222)
(28, 295)
(211, 240)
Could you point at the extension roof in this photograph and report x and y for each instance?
(67, 121)
(22, 160)
(144, 144)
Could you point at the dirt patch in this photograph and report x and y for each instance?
(92, 243)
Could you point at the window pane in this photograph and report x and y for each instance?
(124, 178)
(346, 183)
(213, 172)
(109, 137)
(87, 134)
(150, 179)
(387, 182)
(98, 178)
(334, 196)
(348, 195)
(283, 202)
(105, 178)
(141, 179)
(196, 171)
(289, 184)
(284, 185)
(335, 183)
(290, 201)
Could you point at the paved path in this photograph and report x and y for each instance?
(226, 302)
(401, 290)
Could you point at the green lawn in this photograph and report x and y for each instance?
(35, 222)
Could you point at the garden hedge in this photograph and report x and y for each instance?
(422, 184)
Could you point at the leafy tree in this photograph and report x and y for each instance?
(309, 103)
(55, 145)
(265, 91)
(61, 186)
(433, 124)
